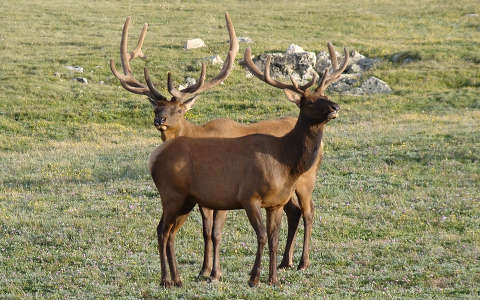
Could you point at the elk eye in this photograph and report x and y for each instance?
(179, 111)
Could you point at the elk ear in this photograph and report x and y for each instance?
(293, 97)
(189, 103)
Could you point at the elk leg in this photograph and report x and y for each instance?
(293, 212)
(218, 223)
(274, 220)
(255, 218)
(172, 261)
(306, 203)
(207, 222)
(163, 230)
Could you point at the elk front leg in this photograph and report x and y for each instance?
(255, 218)
(207, 222)
(294, 213)
(306, 203)
(274, 220)
(219, 217)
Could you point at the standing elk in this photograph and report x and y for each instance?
(169, 119)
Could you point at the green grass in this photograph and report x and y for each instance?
(397, 197)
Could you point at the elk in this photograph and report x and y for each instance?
(170, 121)
(249, 172)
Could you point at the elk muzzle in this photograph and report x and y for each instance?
(160, 123)
(334, 108)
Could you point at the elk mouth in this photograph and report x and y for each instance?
(333, 115)
(161, 127)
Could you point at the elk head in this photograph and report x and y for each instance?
(314, 105)
(169, 113)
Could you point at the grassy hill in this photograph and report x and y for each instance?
(397, 197)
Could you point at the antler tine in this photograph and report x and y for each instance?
(336, 73)
(172, 90)
(200, 81)
(247, 57)
(127, 79)
(333, 56)
(328, 79)
(201, 85)
(151, 87)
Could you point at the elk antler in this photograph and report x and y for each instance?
(326, 80)
(330, 76)
(127, 79)
(266, 76)
(201, 85)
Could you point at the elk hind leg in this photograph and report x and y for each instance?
(294, 213)
(274, 219)
(218, 223)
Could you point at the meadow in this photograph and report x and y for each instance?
(397, 198)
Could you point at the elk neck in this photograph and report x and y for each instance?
(184, 128)
(302, 144)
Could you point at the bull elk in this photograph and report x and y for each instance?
(249, 172)
(170, 121)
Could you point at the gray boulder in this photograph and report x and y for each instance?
(299, 65)
(352, 85)
(358, 62)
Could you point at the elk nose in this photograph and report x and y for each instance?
(334, 107)
(159, 121)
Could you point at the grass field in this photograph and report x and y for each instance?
(397, 197)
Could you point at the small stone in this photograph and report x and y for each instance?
(294, 49)
(214, 60)
(194, 43)
(245, 39)
(189, 81)
(75, 68)
(101, 82)
(81, 80)
(471, 15)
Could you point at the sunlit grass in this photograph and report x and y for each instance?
(397, 205)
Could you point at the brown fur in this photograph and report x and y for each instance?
(250, 172)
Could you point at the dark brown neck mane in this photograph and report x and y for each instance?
(307, 136)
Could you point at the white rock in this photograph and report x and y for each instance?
(194, 43)
(245, 39)
(294, 49)
(214, 60)
(189, 81)
(74, 68)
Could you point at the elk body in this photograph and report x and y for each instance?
(170, 121)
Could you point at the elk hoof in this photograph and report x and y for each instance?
(166, 283)
(285, 265)
(214, 277)
(178, 283)
(252, 283)
(272, 281)
(204, 273)
(303, 265)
